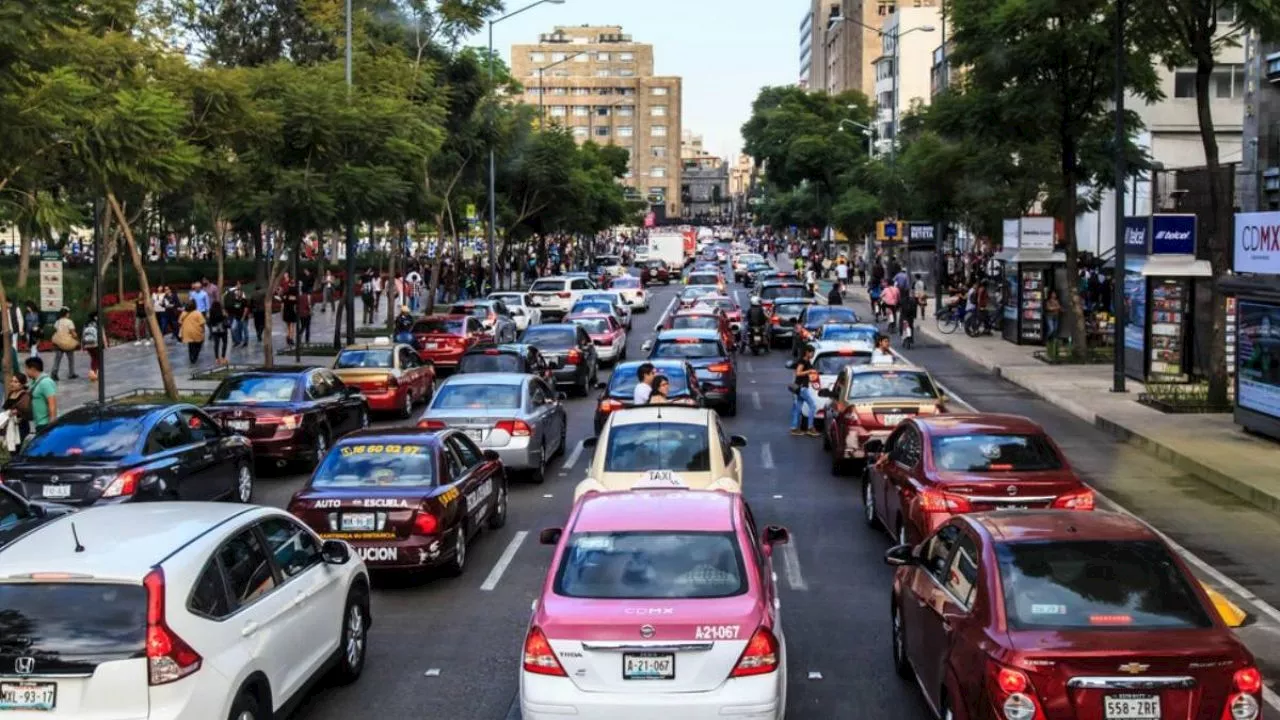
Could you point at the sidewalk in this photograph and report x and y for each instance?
(1210, 447)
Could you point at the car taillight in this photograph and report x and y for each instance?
(291, 421)
(431, 424)
(124, 484)
(775, 320)
(1012, 692)
(723, 367)
(538, 656)
(424, 523)
(759, 657)
(936, 501)
(610, 406)
(514, 428)
(1243, 702)
(1079, 500)
(564, 295)
(169, 657)
(574, 357)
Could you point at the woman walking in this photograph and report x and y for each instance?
(91, 342)
(34, 335)
(65, 342)
(289, 312)
(218, 328)
(17, 403)
(191, 328)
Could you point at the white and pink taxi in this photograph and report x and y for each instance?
(657, 604)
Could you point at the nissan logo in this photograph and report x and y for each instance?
(1012, 490)
(53, 479)
(24, 665)
(646, 632)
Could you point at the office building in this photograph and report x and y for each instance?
(846, 43)
(914, 59)
(1258, 182)
(600, 83)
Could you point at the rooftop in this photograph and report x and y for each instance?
(669, 510)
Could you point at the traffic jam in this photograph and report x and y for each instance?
(1013, 595)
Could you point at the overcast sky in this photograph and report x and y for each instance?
(725, 50)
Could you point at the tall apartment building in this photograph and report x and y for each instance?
(813, 38)
(914, 59)
(1258, 182)
(600, 83)
(846, 44)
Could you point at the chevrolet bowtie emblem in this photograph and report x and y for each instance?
(1133, 668)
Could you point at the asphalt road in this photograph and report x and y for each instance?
(449, 647)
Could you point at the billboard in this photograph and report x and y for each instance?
(1257, 243)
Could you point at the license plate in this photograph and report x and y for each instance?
(892, 419)
(28, 696)
(432, 346)
(1012, 507)
(358, 522)
(57, 491)
(1131, 707)
(648, 666)
(238, 425)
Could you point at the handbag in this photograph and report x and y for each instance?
(65, 340)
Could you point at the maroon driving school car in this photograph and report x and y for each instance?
(405, 499)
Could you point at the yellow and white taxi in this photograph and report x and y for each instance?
(663, 446)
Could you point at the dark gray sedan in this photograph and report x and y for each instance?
(569, 349)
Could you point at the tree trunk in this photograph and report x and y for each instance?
(277, 269)
(337, 325)
(392, 290)
(8, 358)
(433, 281)
(158, 344)
(24, 258)
(259, 267)
(1218, 229)
(120, 270)
(220, 253)
(1076, 324)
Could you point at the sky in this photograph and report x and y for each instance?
(726, 50)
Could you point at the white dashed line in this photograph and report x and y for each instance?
(508, 555)
(791, 558)
(766, 456)
(573, 457)
(755, 400)
(750, 367)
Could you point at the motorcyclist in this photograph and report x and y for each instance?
(757, 320)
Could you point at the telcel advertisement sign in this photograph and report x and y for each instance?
(1257, 243)
(1136, 231)
(1173, 234)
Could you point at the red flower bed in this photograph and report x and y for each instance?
(113, 299)
(120, 324)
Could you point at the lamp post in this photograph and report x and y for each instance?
(1119, 313)
(866, 131)
(493, 162)
(542, 90)
(348, 284)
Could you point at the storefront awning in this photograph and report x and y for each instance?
(1168, 266)
(1018, 255)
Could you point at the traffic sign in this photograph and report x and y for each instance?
(887, 231)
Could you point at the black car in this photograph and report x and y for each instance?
(508, 357)
(116, 453)
(711, 360)
(814, 317)
(619, 392)
(19, 516)
(569, 350)
(290, 414)
(749, 277)
(782, 323)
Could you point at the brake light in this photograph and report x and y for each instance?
(574, 357)
(564, 294)
(760, 656)
(124, 484)
(775, 320)
(1248, 680)
(169, 657)
(1079, 500)
(936, 501)
(514, 428)
(610, 406)
(723, 367)
(424, 523)
(431, 424)
(1011, 689)
(1243, 704)
(538, 656)
(292, 421)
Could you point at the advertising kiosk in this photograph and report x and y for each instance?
(1159, 271)
(1029, 261)
(1256, 290)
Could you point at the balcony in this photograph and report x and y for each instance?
(614, 38)
(1271, 68)
(554, 38)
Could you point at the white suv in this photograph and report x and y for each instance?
(175, 610)
(556, 295)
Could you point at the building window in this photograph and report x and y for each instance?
(557, 111)
(537, 57)
(1226, 14)
(581, 111)
(628, 92)
(658, 110)
(626, 73)
(582, 91)
(581, 57)
(602, 132)
(657, 131)
(624, 131)
(602, 73)
(604, 91)
(659, 91)
(557, 57)
(1226, 82)
(602, 57)
(559, 91)
(534, 91)
(602, 111)
(626, 110)
(1184, 84)
(658, 151)
(657, 171)
(581, 131)
(626, 57)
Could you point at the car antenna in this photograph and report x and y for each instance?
(76, 536)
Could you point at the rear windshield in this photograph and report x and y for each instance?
(704, 279)
(831, 363)
(688, 348)
(435, 325)
(789, 311)
(374, 465)
(1096, 585)
(593, 326)
(481, 362)
(695, 292)
(849, 332)
(627, 282)
(695, 322)
(608, 260)
(658, 446)
(993, 453)
(781, 291)
(510, 300)
(256, 389)
(350, 359)
(603, 307)
(821, 314)
(547, 286)
(64, 623)
(460, 396)
(724, 304)
(87, 438)
(478, 311)
(622, 383)
(651, 565)
(549, 338)
(892, 384)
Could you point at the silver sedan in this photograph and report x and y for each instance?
(518, 416)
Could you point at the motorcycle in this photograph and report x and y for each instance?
(756, 339)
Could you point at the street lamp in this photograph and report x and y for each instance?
(866, 130)
(542, 90)
(493, 163)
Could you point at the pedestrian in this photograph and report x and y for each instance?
(258, 307)
(836, 295)
(44, 394)
(65, 342)
(34, 335)
(368, 300)
(1052, 319)
(889, 298)
(804, 384)
(218, 323)
(404, 326)
(304, 317)
(172, 308)
(842, 272)
(200, 297)
(140, 319)
(910, 308)
(17, 328)
(326, 294)
(17, 403)
(644, 384)
(862, 271)
(289, 313)
(413, 289)
(91, 341)
(237, 311)
(191, 330)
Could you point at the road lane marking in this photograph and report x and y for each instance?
(750, 367)
(573, 457)
(766, 456)
(755, 400)
(432, 672)
(665, 313)
(508, 555)
(795, 578)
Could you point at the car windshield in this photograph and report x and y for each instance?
(695, 322)
(438, 326)
(547, 286)
(1052, 585)
(651, 565)
(608, 260)
(831, 363)
(484, 362)
(603, 298)
(682, 447)
(476, 311)
(993, 453)
(511, 300)
(819, 314)
(627, 282)
(256, 389)
(892, 384)
(373, 465)
(602, 307)
(465, 396)
(690, 348)
(593, 326)
(789, 311)
(549, 338)
(74, 623)
(724, 304)
(704, 279)
(844, 333)
(350, 359)
(86, 437)
(780, 291)
(695, 292)
(622, 383)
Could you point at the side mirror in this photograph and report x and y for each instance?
(335, 552)
(776, 535)
(647, 346)
(791, 364)
(824, 393)
(492, 456)
(900, 555)
(590, 442)
(152, 486)
(737, 441)
(550, 536)
(873, 447)
(755, 299)
(38, 510)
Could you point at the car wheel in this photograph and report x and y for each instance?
(583, 389)
(538, 475)
(355, 637)
(498, 517)
(826, 440)
(243, 492)
(869, 505)
(946, 709)
(406, 410)
(458, 563)
(322, 446)
(245, 707)
(901, 664)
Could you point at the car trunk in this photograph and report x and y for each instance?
(888, 412)
(433, 341)
(70, 480)
(370, 380)
(1009, 490)
(367, 514)
(694, 646)
(475, 424)
(257, 421)
(1078, 674)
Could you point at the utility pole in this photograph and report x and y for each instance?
(1117, 290)
(349, 283)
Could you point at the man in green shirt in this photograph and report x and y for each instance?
(44, 391)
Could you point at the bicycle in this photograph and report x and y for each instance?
(949, 318)
(983, 322)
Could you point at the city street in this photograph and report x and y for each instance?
(448, 647)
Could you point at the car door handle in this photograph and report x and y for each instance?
(249, 629)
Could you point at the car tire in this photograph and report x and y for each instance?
(898, 633)
(538, 475)
(900, 537)
(354, 646)
(946, 713)
(498, 517)
(406, 411)
(826, 445)
(246, 707)
(869, 506)
(458, 562)
(583, 389)
(243, 490)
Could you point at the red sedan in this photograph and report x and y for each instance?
(1047, 615)
(442, 339)
(392, 377)
(935, 467)
(867, 402)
